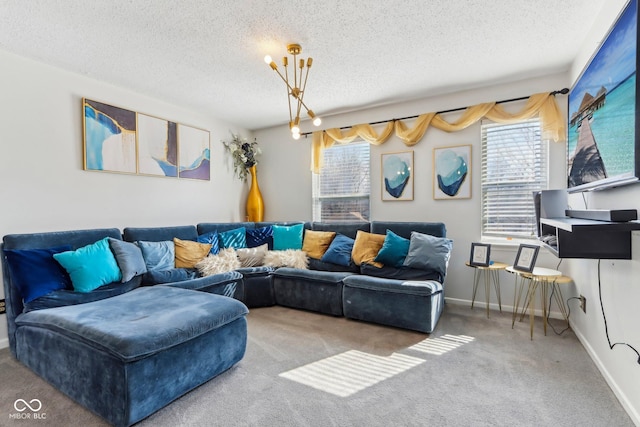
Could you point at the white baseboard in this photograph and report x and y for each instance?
(481, 305)
(622, 398)
(4, 343)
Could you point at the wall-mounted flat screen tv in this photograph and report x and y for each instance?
(603, 145)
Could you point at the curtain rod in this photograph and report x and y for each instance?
(562, 91)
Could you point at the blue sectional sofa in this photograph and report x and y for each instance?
(110, 348)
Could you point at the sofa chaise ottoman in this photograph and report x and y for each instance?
(128, 356)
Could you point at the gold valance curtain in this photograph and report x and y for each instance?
(552, 124)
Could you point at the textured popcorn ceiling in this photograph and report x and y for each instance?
(208, 55)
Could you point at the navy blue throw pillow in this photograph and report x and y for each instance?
(259, 236)
(35, 273)
(339, 251)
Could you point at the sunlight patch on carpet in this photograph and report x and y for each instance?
(441, 345)
(350, 372)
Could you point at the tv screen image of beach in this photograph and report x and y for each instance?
(602, 146)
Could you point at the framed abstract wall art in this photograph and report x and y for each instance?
(194, 156)
(157, 146)
(397, 176)
(120, 140)
(109, 139)
(452, 172)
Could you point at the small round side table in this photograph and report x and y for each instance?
(545, 279)
(491, 273)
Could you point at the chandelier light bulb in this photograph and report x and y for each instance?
(295, 129)
(296, 136)
(267, 59)
(317, 121)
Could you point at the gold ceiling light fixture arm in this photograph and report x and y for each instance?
(295, 92)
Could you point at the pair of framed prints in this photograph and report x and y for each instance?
(525, 258)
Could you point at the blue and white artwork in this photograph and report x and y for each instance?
(397, 176)
(194, 155)
(452, 172)
(109, 138)
(157, 146)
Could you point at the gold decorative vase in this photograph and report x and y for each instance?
(255, 204)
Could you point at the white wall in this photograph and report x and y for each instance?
(43, 186)
(619, 279)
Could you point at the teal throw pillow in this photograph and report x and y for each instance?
(287, 237)
(236, 238)
(129, 258)
(339, 251)
(158, 255)
(428, 252)
(90, 266)
(212, 239)
(394, 250)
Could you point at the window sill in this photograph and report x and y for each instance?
(508, 242)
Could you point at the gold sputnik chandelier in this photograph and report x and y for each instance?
(295, 87)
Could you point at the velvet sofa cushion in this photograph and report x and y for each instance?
(157, 277)
(64, 297)
(252, 257)
(399, 273)
(316, 243)
(229, 284)
(259, 236)
(188, 253)
(236, 238)
(287, 237)
(36, 273)
(339, 251)
(428, 252)
(141, 322)
(347, 228)
(319, 265)
(158, 255)
(394, 250)
(129, 258)
(90, 266)
(211, 238)
(366, 248)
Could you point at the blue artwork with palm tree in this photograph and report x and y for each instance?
(451, 170)
(396, 175)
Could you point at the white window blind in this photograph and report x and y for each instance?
(341, 189)
(514, 165)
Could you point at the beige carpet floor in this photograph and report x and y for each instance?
(307, 369)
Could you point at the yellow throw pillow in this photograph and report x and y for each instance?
(366, 248)
(316, 243)
(189, 253)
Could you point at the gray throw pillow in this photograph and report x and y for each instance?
(158, 255)
(252, 257)
(428, 252)
(129, 258)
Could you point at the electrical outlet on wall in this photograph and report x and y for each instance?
(583, 303)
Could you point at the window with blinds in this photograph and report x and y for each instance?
(514, 165)
(341, 190)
